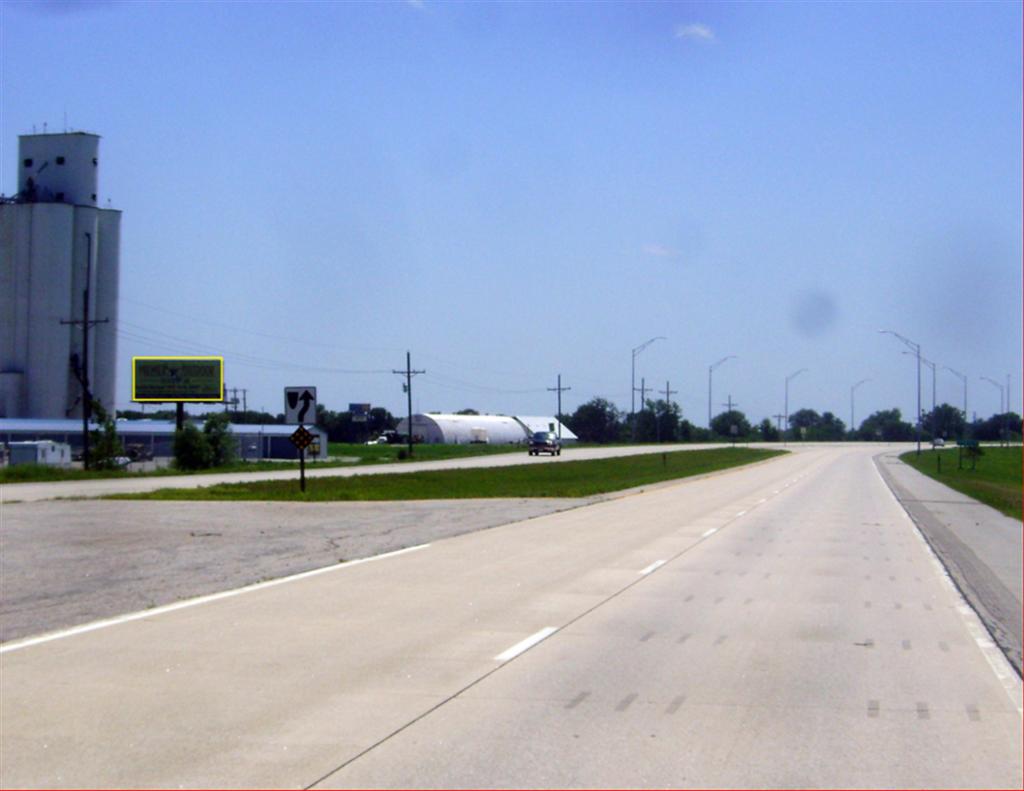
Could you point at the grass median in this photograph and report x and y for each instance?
(561, 479)
(995, 479)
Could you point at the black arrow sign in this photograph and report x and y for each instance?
(306, 398)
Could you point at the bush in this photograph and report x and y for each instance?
(223, 444)
(105, 446)
(192, 449)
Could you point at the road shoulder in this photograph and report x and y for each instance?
(980, 548)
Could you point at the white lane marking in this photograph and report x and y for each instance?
(707, 533)
(655, 565)
(741, 513)
(16, 645)
(996, 659)
(524, 645)
(776, 491)
(762, 500)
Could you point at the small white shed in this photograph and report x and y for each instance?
(54, 454)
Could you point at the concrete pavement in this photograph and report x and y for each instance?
(776, 626)
(980, 548)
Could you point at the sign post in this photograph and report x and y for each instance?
(302, 439)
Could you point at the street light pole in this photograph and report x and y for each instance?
(785, 426)
(963, 379)
(632, 381)
(711, 370)
(852, 391)
(916, 348)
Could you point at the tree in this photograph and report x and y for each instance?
(802, 421)
(596, 421)
(886, 425)
(829, 429)
(467, 412)
(997, 427)
(722, 424)
(658, 421)
(105, 447)
(944, 421)
(223, 444)
(191, 449)
(769, 433)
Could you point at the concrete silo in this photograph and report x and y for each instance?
(52, 234)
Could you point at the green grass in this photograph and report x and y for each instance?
(386, 454)
(353, 454)
(565, 479)
(995, 481)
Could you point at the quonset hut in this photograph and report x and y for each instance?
(434, 428)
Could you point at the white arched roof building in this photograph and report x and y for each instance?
(435, 428)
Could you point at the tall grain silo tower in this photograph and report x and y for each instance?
(56, 244)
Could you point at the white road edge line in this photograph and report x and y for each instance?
(1000, 665)
(707, 533)
(16, 645)
(655, 565)
(524, 645)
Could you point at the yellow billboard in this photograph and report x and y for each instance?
(177, 379)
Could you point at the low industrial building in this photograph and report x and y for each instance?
(436, 428)
(156, 437)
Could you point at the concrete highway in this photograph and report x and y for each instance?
(783, 625)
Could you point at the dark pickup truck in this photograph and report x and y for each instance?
(545, 442)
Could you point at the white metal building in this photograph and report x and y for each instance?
(52, 233)
(436, 428)
(541, 423)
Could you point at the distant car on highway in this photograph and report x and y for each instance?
(545, 442)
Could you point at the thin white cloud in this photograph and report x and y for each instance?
(695, 31)
(417, 4)
(660, 251)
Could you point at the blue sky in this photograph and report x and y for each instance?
(517, 190)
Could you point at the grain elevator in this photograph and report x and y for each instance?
(57, 247)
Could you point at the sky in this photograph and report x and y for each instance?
(513, 191)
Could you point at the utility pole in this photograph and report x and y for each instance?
(409, 373)
(82, 370)
(632, 382)
(668, 395)
(558, 417)
(778, 423)
(729, 404)
(643, 395)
